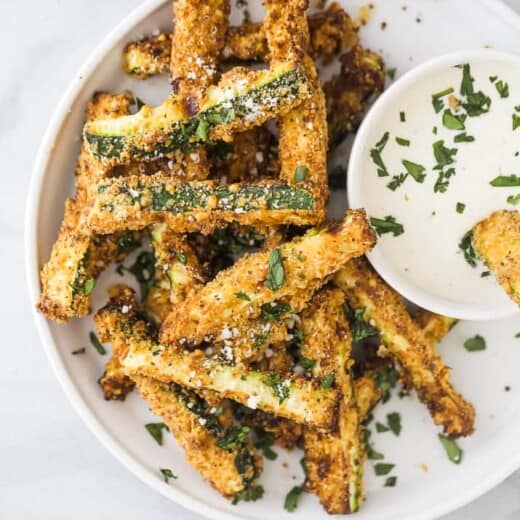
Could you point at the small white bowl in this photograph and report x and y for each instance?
(364, 191)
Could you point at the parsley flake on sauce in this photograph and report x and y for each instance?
(506, 181)
(415, 170)
(387, 225)
(375, 154)
(475, 344)
(466, 246)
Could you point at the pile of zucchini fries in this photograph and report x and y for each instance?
(248, 295)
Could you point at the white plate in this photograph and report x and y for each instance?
(489, 455)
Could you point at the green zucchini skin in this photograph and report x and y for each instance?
(136, 202)
(144, 139)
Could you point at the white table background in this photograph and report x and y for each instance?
(51, 466)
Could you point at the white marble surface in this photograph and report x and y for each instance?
(51, 465)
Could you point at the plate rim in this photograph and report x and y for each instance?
(32, 268)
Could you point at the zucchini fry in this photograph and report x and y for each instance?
(331, 32)
(303, 130)
(139, 354)
(115, 384)
(497, 242)
(349, 93)
(333, 460)
(230, 464)
(307, 262)
(407, 343)
(434, 326)
(136, 202)
(77, 259)
(367, 393)
(242, 100)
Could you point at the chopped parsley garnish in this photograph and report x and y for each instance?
(155, 430)
(476, 103)
(463, 138)
(485, 274)
(466, 86)
(453, 121)
(383, 468)
(233, 438)
(387, 225)
(328, 380)
(375, 154)
(96, 343)
(359, 327)
(517, 335)
(248, 495)
(452, 450)
(85, 288)
(516, 121)
(466, 246)
(307, 363)
(514, 199)
(394, 423)
(263, 441)
(243, 296)
(506, 181)
(415, 170)
(139, 103)
(460, 207)
(402, 117)
(280, 388)
(381, 428)
(402, 141)
(475, 344)
(273, 311)
(300, 174)
(502, 88)
(437, 102)
(372, 454)
(390, 481)
(391, 72)
(81, 350)
(276, 272)
(444, 157)
(291, 500)
(397, 181)
(167, 474)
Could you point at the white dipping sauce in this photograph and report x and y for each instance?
(427, 255)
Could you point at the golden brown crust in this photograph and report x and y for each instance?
(497, 241)
(307, 262)
(116, 385)
(407, 344)
(333, 460)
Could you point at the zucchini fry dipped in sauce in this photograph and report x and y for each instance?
(77, 258)
(136, 202)
(331, 31)
(497, 241)
(333, 460)
(220, 451)
(407, 344)
(140, 354)
(242, 100)
(303, 130)
(282, 280)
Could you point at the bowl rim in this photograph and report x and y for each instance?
(32, 268)
(413, 293)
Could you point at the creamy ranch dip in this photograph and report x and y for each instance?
(445, 155)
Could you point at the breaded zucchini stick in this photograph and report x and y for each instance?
(230, 463)
(331, 32)
(497, 242)
(307, 262)
(349, 93)
(136, 202)
(434, 326)
(333, 460)
(303, 130)
(77, 258)
(367, 393)
(139, 354)
(190, 419)
(407, 343)
(242, 100)
(199, 30)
